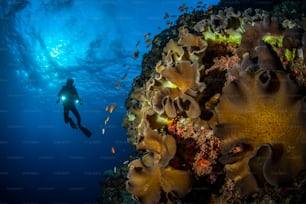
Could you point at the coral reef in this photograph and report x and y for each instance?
(220, 106)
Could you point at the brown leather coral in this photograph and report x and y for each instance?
(147, 183)
(150, 175)
(170, 101)
(163, 147)
(194, 44)
(261, 125)
(184, 75)
(185, 78)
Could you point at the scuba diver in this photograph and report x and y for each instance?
(68, 95)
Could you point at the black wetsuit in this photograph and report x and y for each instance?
(71, 95)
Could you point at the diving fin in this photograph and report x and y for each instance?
(85, 131)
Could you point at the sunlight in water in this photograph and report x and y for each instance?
(60, 51)
(57, 52)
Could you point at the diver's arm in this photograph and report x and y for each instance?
(59, 95)
(77, 96)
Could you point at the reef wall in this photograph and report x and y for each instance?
(220, 107)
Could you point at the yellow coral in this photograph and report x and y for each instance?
(143, 182)
(146, 183)
(151, 174)
(163, 146)
(184, 75)
(176, 51)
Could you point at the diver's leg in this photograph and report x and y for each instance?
(67, 118)
(77, 115)
(66, 114)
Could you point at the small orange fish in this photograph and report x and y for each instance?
(113, 150)
(138, 43)
(111, 109)
(106, 120)
(166, 16)
(148, 42)
(155, 40)
(147, 35)
(106, 108)
(136, 54)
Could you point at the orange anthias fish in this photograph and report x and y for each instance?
(113, 150)
(136, 54)
(148, 43)
(111, 109)
(155, 40)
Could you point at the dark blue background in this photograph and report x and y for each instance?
(43, 42)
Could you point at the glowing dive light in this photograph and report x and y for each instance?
(77, 101)
(63, 98)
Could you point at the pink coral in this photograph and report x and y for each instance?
(208, 155)
(207, 144)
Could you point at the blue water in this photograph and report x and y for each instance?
(42, 43)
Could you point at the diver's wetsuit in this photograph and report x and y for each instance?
(71, 95)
